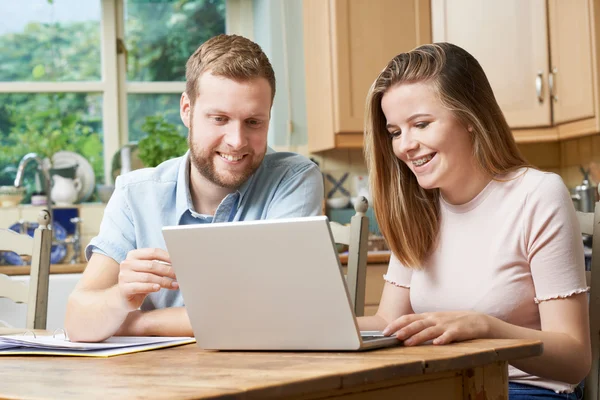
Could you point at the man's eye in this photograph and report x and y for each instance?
(218, 118)
(254, 122)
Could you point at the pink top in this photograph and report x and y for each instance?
(515, 244)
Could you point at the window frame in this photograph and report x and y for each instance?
(113, 85)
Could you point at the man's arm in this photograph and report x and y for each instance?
(107, 293)
(172, 321)
(94, 309)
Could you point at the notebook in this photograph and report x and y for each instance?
(266, 285)
(30, 344)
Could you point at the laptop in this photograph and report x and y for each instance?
(266, 285)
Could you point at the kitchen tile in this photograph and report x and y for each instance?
(541, 155)
(585, 150)
(337, 184)
(336, 160)
(357, 160)
(570, 153)
(596, 145)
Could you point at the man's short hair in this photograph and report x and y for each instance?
(229, 56)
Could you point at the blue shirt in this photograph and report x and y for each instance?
(285, 185)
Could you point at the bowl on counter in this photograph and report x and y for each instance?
(11, 196)
(338, 202)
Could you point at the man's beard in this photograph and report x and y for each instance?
(203, 160)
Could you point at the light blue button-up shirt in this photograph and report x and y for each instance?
(144, 201)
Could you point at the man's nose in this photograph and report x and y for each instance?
(235, 136)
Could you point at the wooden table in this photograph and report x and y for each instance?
(469, 370)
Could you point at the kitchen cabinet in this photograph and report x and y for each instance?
(538, 57)
(346, 44)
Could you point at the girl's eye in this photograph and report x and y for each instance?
(395, 134)
(422, 125)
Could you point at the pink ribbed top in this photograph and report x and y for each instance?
(515, 244)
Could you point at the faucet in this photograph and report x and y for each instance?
(21, 169)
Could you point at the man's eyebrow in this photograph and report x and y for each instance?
(258, 115)
(211, 111)
(214, 111)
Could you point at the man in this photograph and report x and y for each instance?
(129, 287)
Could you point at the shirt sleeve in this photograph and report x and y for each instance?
(553, 241)
(300, 194)
(397, 274)
(117, 233)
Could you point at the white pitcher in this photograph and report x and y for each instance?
(64, 190)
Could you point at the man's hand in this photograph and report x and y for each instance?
(441, 327)
(144, 271)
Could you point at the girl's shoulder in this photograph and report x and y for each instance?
(532, 182)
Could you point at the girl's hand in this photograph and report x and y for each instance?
(441, 327)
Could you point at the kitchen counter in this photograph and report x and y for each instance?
(54, 269)
(376, 257)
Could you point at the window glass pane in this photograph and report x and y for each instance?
(46, 124)
(50, 41)
(157, 51)
(140, 106)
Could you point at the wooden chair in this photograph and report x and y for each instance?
(590, 225)
(355, 236)
(36, 293)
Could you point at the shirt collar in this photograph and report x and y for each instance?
(183, 197)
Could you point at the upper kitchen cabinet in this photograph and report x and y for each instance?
(346, 45)
(538, 57)
(571, 82)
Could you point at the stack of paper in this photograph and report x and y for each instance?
(116, 345)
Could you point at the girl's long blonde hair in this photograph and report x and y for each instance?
(408, 215)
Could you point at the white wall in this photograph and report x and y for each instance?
(278, 30)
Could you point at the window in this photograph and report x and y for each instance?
(157, 53)
(83, 76)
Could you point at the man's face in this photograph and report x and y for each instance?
(228, 127)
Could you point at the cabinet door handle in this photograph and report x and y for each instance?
(551, 77)
(539, 87)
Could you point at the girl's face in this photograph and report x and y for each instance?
(431, 141)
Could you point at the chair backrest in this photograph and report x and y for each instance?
(36, 293)
(356, 236)
(590, 225)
